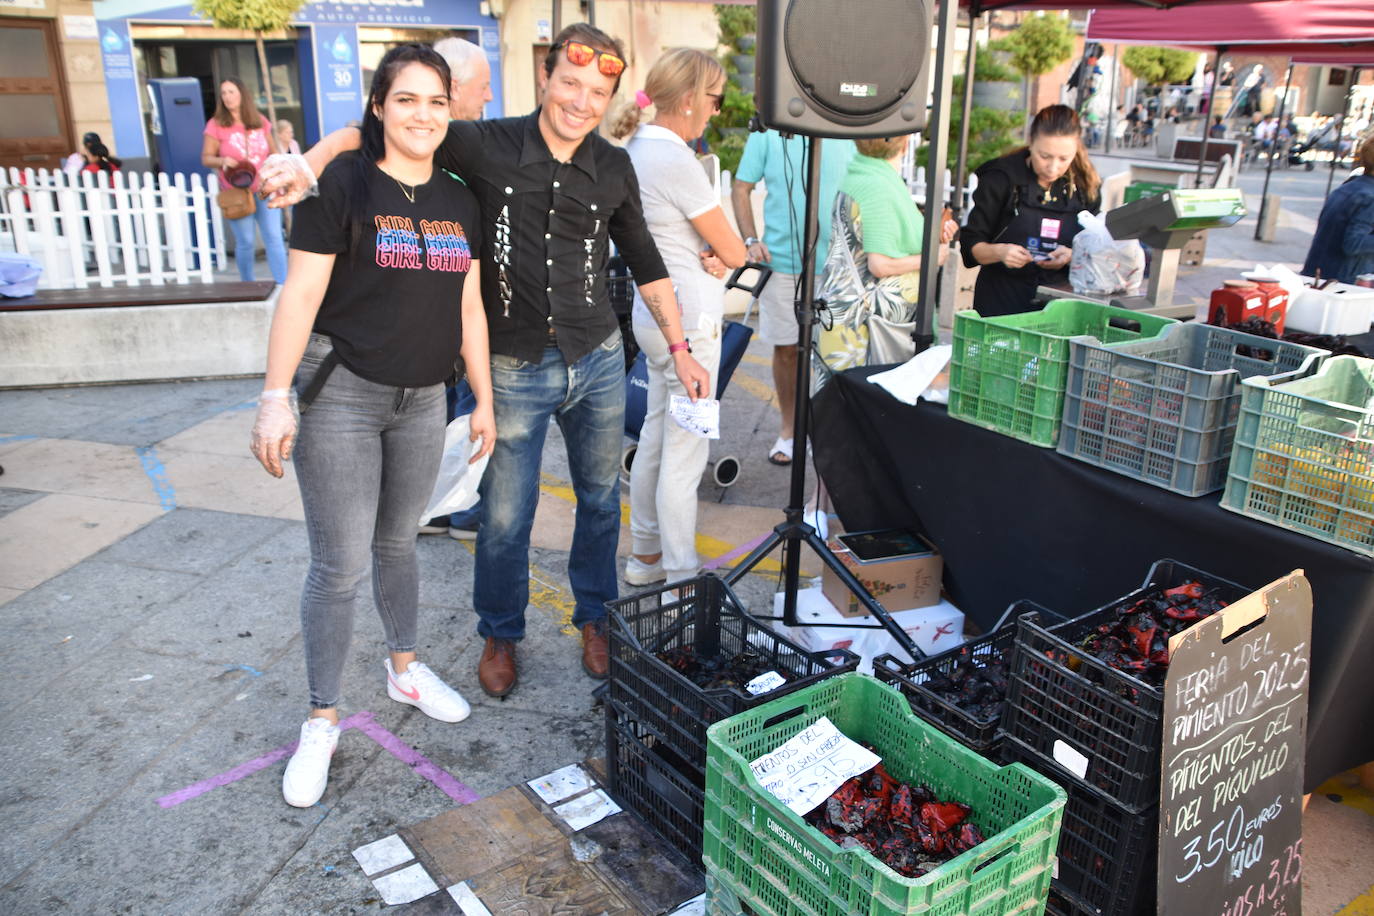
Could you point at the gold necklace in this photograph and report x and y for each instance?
(408, 192)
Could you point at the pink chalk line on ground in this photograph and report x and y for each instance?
(735, 554)
(363, 722)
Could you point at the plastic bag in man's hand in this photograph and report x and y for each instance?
(1101, 265)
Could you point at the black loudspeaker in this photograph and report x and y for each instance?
(851, 69)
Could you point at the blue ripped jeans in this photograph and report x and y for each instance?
(587, 400)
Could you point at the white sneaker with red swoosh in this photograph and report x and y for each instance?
(307, 773)
(420, 687)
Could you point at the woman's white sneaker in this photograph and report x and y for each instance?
(420, 687)
(307, 773)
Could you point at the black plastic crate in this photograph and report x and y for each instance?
(1059, 694)
(910, 678)
(650, 779)
(702, 615)
(1107, 853)
(1062, 903)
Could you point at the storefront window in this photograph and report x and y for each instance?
(212, 59)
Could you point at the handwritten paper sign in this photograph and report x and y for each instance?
(701, 417)
(810, 766)
(769, 680)
(1235, 726)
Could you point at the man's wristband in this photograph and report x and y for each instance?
(750, 242)
(680, 346)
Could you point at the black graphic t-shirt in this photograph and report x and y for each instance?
(393, 306)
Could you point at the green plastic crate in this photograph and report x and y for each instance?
(779, 865)
(1304, 454)
(1139, 189)
(1008, 373)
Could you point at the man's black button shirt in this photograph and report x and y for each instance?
(546, 226)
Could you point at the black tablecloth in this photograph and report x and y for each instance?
(1017, 521)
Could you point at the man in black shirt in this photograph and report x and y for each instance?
(553, 194)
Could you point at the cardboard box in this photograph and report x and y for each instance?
(933, 629)
(898, 567)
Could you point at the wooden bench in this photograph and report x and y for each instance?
(123, 296)
(102, 335)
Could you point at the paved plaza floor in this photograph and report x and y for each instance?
(150, 574)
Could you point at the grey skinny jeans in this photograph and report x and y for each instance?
(366, 461)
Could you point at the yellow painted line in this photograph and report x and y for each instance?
(756, 387)
(707, 546)
(1354, 796)
(1362, 905)
(552, 598)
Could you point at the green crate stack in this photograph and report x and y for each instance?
(1163, 410)
(1009, 373)
(1140, 189)
(1304, 454)
(778, 865)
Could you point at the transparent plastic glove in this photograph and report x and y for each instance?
(287, 179)
(274, 430)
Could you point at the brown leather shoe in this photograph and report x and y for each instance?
(496, 670)
(596, 650)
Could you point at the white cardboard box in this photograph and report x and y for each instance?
(933, 629)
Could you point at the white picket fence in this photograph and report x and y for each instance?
(98, 229)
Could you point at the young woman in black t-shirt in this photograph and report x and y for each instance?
(381, 290)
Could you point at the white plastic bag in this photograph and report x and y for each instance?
(1101, 265)
(455, 489)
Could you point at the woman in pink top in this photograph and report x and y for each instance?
(237, 135)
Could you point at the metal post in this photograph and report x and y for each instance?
(1273, 145)
(556, 19)
(591, 11)
(1345, 118)
(938, 132)
(961, 163)
(1111, 103)
(1211, 112)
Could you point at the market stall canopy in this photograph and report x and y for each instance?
(978, 7)
(1338, 32)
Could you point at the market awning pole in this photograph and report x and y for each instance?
(1340, 128)
(1211, 112)
(591, 12)
(1273, 145)
(557, 17)
(937, 154)
(961, 163)
(1111, 102)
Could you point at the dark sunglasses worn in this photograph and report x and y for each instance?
(580, 55)
(716, 98)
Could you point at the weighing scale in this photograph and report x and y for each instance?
(1165, 223)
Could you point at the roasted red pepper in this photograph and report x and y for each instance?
(1186, 590)
(901, 805)
(943, 816)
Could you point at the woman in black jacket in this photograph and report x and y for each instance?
(1025, 214)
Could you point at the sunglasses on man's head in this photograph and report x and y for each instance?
(580, 55)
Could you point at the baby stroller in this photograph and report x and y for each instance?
(735, 336)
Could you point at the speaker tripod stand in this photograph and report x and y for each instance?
(793, 532)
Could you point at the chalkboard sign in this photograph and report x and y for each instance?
(1235, 725)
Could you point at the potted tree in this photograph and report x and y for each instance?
(727, 132)
(1160, 67)
(1041, 43)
